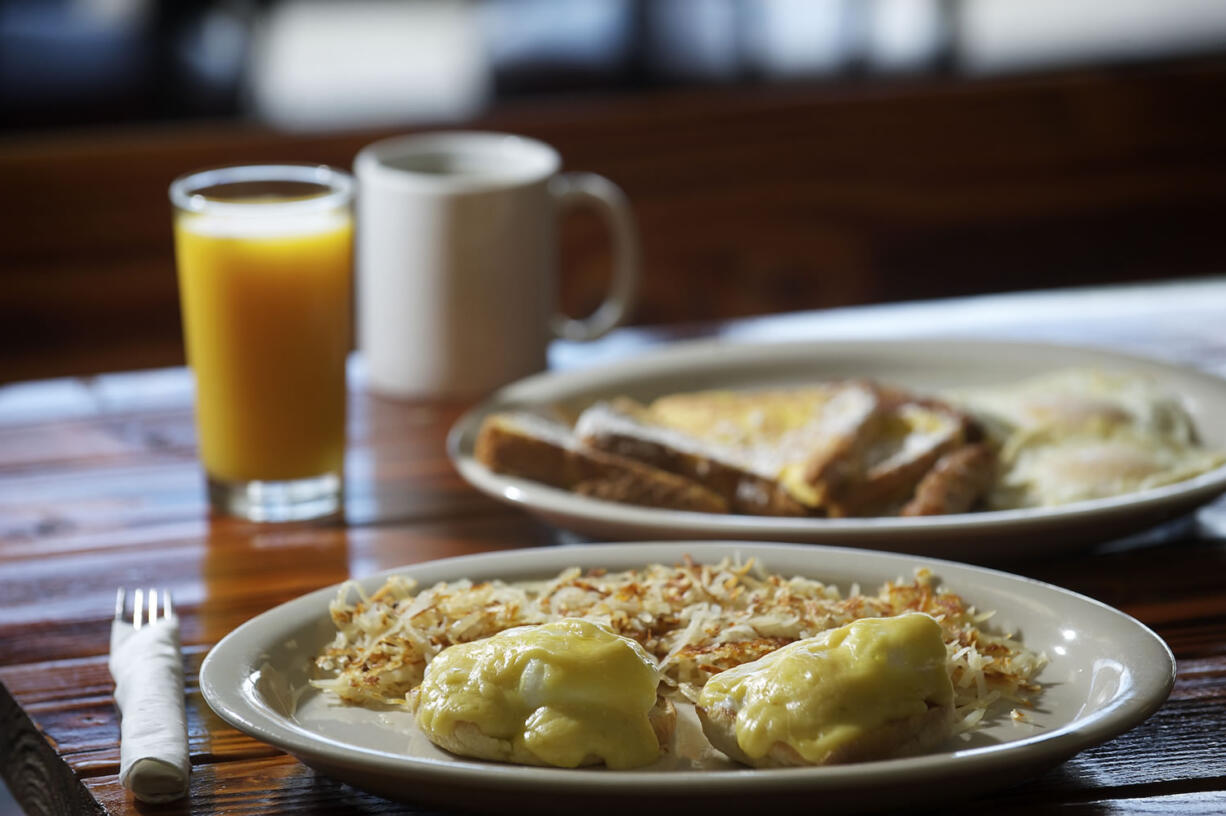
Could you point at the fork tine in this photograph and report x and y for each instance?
(151, 612)
(120, 594)
(167, 612)
(138, 601)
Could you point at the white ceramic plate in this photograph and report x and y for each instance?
(1106, 674)
(926, 366)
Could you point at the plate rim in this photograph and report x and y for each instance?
(230, 701)
(555, 502)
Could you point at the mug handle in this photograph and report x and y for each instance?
(574, 189)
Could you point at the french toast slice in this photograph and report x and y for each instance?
(839, 449)
(847, 448)
(533, 447)
(856, 420)
(745, 473)
(956, 482)
(878, 467)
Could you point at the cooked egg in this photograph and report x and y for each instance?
(1075, 435)
(1079, 398)
(566, 693)
(1054, 467)
(876, 687)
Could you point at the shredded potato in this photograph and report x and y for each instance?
(697, 620)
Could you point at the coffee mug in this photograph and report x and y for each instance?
(457, 289)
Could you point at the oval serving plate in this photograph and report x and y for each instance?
(926, 366)
(1106, 673)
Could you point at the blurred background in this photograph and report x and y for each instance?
(308, 64)
(781, 154)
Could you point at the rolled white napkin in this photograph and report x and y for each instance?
(148, 673)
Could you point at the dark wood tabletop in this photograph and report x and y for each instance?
(100, 487)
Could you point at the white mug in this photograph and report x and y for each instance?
(457, 260)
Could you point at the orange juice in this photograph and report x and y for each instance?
(266, 312)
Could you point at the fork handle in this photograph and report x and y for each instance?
(148, 673)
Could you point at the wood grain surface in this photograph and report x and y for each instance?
(99, 487)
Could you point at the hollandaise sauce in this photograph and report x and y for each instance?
(565, 692)
(818, 694)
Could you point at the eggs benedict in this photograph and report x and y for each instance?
(566, 693)
(875, 688)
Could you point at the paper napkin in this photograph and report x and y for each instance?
(148, 673)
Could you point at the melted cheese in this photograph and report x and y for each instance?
(818, 694)
(565, 692)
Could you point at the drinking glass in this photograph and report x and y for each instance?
(265, 264)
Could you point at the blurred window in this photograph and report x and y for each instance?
(319, 64)
(1006, 35)
(62, 59)
(343, 63)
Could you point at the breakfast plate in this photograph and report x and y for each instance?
(1105, 673)
(926, 366)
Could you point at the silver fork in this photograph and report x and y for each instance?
(143, 612)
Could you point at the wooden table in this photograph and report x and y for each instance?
(99, 487)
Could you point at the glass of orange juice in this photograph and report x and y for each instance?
(265, 264)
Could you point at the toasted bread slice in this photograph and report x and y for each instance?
(852, 448)
(897, 444)
(955, 483)
(533, 447)
(856, 419)
(625, 428)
